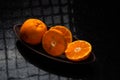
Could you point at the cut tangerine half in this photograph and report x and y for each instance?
(54, 42)
(78, 50)
(66, 32)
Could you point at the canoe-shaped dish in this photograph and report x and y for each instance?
(38, 49)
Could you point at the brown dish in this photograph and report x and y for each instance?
(38, 49)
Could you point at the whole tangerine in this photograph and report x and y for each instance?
(32, 31)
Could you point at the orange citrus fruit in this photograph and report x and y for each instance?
(66, 32)
(53, 42)
(32, 31)
(78, 50)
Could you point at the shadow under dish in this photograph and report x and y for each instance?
(37, 56)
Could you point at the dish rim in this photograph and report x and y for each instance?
(15, 27)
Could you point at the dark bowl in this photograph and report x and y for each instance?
(38, 49)
(37, 56)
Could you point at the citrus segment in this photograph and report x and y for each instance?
(54, 42)
(32, 31)
(66, 32)
(78, 50)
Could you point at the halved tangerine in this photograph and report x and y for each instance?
(65, 31)
(53, 42)
(78, 50)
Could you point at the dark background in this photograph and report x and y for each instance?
(96, 22)
(100, 19)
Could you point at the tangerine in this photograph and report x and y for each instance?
(32, 31)
(53, 42)
(65, 31)
(78, 50)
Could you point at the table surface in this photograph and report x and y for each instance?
(15, 66)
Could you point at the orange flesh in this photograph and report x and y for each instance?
(54, 42)
(78, 50)
(66, 32)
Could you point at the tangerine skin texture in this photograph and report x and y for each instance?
(32, 31)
